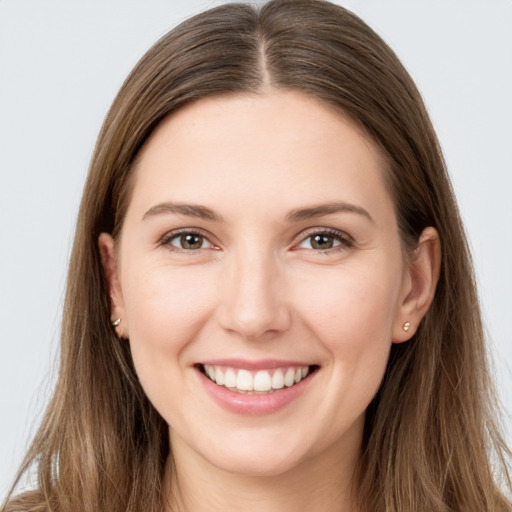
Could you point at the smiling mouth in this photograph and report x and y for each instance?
(261, 382)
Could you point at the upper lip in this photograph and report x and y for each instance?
(260, 364)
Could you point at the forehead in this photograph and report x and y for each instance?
(280, 146)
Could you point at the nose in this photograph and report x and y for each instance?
(254, 302)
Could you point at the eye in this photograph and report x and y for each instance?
(326, 240)
(187, 241)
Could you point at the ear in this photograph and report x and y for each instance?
(110, 267)
(419, 285)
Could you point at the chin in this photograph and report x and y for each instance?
(258, 466)
(252, 458)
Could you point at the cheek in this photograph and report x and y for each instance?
(352, 315)
(163, 304)
(165, 310)
(346, 308)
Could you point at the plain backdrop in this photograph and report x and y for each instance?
(61, 64)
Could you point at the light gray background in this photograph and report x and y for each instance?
(62, 62)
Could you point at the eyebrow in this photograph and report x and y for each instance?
(190, 210)
(298, 214)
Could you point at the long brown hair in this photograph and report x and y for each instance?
(431, 441)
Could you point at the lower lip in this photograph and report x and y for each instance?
(254, 405)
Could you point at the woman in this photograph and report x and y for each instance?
(270, 300)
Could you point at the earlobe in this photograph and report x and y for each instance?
(110, 268)
(419, 286)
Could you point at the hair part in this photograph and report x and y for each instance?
(431, 429)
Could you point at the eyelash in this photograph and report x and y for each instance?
(345, 241)
(169, 237)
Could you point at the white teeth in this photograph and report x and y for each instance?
(278, 380)
(244, 381)
(230, 378)
(219, 376)
(263, 381)
(289, 378)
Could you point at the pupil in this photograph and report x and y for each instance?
(322, 242)
(191, 241)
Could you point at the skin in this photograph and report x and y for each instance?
(258, 288)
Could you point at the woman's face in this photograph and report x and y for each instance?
(260, 248)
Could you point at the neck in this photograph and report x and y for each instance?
(320, 484)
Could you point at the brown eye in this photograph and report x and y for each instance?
(322, 241)
(189, 241)
(326, 240)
